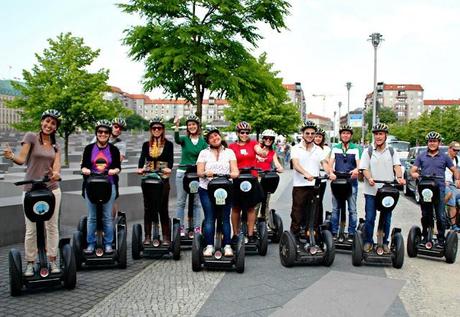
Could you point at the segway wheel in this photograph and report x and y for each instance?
(77, 248)
(15, 268)
(240, 253)
(82, 224)
(262, 242)
(287, 249)
(278, 230)
(413, 239)
(197, 251)
(70, 268)
(357, 249)
(397, 257)
(122, 249)
(451, 247)
(329, 246)
(136, 242)
(176, 242)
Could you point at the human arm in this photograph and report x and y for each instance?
(278, 166)
(234, 171)
(56, 168)
(328, 169)
(115, 167)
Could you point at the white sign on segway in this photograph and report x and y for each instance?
(245, 186)
(220, 195)
(388, 202)
(193, 186)
(41, 207)
(427, 195)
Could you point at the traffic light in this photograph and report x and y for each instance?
(380, 86)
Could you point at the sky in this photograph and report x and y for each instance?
(325, 46)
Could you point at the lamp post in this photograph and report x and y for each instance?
(375, 38)
(333, 128)
(340, 105)
(348, 85)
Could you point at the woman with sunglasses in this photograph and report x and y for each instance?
(267, 157)
(157, 154)
(320, 140)
(101, 157)
(245, 152)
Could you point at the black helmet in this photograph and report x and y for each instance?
(308, 124)
(346, 127)
(433, 135)
(53, 113)
(103, 123)
(120, 122)
(192, 118)
(209, 130)
(321, 131)
(156, 120)
(380, 127)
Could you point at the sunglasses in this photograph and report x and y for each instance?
(116, 127)
(156, 128)
(309, 133)
(268, 138)
(103, 132)
(244, 132)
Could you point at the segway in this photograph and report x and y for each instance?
(312, 245)
(246, 186)
(39, 205)
(191, 184)
(99, 191)
(386, 200)
(220, 190)
(429, 246)
(152, 189)
(342, 189)
(269, 181)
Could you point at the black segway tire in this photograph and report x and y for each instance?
(287, 249)
(451, 247)
(262, 242)
(278, 231)
(413, 239)
(77, 248)
(122, 249)
(136, 241)
(69, 278)
(82, 224)
(176, 242)
(197, 251)
(240, 254)
(357, 249)
(397, 257)
(329, 245)
(15, 268)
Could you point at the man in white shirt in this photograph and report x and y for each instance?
(452, 193)
(383, 166)
(307, 159)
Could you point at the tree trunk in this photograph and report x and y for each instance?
(66, 150)
(199, 99)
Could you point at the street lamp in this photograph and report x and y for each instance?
(375, 38)
(348, 84)
(333, 128)
(340, 105)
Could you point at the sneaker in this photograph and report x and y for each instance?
(367, 247)
(386, 248)
(29, 269)
(455, 228)
(334, 236)
(252, 239)
(182, 231)
(234, 239)
(54, 267)
(441, 243)
(108, 249)
(209, 250)
(350, 237)
(197, 230)
(89, 249)
(147, 240)
(228, 251)
(166, 242)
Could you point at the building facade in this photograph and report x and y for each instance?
(430, 105)
(297, 97)
(8, 116)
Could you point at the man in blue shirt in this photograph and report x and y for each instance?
(434, 163)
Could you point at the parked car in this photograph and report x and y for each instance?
(410, 189)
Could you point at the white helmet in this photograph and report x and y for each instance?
(268, 133)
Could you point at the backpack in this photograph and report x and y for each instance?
(370, 149)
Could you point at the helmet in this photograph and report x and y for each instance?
(192, 118)
(346, 127)
(380, 127)
(103, 123)
(157, 120)
(208, 131)
(53, 113)
(243, 125)
(308, 124)
(269, 133)
(321, 132)
(120, 122)
(432, 135)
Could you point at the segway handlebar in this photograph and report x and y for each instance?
(431, 177)
(187, 165)
(341, 174)
(45, 179)
(320, 177)
(392, 182)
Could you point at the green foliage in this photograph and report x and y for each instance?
(445, 122)
(136, 122)
(266, 105)
(191, 46)
(356, 138)
(60, 80)
(386, 115)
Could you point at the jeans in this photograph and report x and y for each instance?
(210, 218)
(371, 212)
(303, 199)
(182, 199)
(107, 221)
(455, 197)
(427, 215)
(352, 213)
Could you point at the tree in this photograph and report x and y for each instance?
(386, 115)
(61, 81)
(191, 46)
(136, 122)
(266, 105)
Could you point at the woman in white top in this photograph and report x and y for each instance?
(320, 140)
(216, 159)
